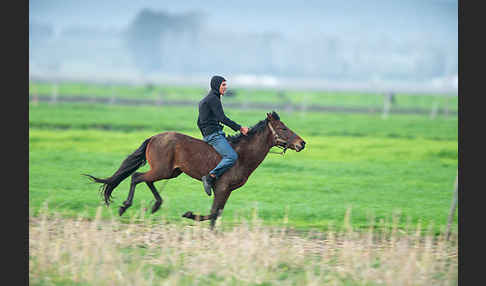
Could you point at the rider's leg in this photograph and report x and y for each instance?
(229, 157)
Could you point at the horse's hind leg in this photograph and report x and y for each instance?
(136, 178)
(158, 198)
(155, 176)
(148, 177)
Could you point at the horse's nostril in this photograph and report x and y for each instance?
(302, 145)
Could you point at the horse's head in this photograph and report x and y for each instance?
(282, 135)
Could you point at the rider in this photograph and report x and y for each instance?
(210, 116)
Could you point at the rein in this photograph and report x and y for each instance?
(278, 140)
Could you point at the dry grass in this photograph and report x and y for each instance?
(101, 252)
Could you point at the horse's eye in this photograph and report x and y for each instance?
(284, 129)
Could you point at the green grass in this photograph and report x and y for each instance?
(122, 91)
(376, 167)
(183, 119)
(307, 98)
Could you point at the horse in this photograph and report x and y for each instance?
(171, 153)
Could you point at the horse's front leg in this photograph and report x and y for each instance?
(220, 198)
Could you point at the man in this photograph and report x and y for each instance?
(211, 114)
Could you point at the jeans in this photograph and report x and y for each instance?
(221, 145)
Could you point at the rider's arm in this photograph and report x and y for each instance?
(217, 109)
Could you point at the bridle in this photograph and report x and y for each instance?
(277, 140)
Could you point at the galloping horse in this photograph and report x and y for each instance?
(171, 153)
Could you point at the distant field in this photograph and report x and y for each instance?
(183, 119)
(295, 97)
(375, 167)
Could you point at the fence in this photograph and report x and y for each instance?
(439, 105)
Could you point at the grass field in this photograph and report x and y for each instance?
(307, 98)
(365, 203)
(146, 252)
(376, 167)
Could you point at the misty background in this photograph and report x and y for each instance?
(402, 45)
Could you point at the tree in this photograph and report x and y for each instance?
(150, 30)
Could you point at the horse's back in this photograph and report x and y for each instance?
(182, 142)
(191, 155)
(176, 137)
(173, 134)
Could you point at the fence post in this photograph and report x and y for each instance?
(160, 97)
(55, 89)
(285, 100)
(387, 102)
(435, 109)
(35, 99)
(453, 207)
(446, 106)
(112, 99)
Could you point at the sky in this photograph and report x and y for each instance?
(432, 24)
(289, 17)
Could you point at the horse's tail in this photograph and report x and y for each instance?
(134, 161)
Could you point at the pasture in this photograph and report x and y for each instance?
(391, 179)
(299, 98)
(377, 167)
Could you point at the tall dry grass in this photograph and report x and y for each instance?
(142, 252)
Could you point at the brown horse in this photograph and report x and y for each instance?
(171, 153)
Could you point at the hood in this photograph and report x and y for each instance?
(216, 82)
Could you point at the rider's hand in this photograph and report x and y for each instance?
(244, 130)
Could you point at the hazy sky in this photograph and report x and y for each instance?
(434, 18)
(376, 39)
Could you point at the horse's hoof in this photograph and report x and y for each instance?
(156, 207)
(188, 214)
(121, 210)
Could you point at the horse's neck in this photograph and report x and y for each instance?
(255, 151)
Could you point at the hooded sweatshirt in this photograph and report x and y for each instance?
(211, 111)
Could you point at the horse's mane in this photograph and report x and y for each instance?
(257, 128)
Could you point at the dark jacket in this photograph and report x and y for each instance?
(211, 114)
